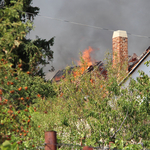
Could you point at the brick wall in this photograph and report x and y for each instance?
(120, 49)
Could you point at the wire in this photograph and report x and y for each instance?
(82, 24)
(86, 25)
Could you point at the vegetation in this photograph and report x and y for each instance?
(84, 108)
(19, 92)
(20, 87)
(92, 110)
(15, 23)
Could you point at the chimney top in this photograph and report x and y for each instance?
(119, 33)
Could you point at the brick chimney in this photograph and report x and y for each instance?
(120, 49)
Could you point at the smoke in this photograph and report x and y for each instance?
(71, 39)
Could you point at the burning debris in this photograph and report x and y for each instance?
(86, 65)
(132, 61)
(61, 74)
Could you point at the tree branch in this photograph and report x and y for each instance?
(120, 125)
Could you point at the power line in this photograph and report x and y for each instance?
(85, 25)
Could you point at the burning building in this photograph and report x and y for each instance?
(119, 57)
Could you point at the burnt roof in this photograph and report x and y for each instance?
(98, 65)
(133, 63)
(60, 74)
(135, 66)
(137, 60)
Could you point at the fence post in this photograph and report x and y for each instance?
(0, 98)
(50, 140)
(1, 92)
(87, 148)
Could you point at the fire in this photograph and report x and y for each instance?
(58, 78)
(85, 62)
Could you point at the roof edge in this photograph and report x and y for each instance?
(139, 62)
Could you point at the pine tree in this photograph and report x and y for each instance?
(15, 23)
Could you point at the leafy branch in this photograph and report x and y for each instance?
(120, 125)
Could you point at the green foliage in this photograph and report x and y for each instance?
(84, 108)
(19, 92)
(19, 85)
(119, 144)
(33, 54)
(147, 63)
(8, 146)
(15, 24)
(87, 109)
(20, 88)
(26, 7)
(93, 110)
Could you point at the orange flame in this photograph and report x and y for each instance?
(85, 63)
(86, 57)
(58, 78)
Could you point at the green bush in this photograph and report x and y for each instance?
(94, 110)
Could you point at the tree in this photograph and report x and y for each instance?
(19, 92)
(19, 89)
(30, 53)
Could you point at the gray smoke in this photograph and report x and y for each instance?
(129, 15)
(2, 2)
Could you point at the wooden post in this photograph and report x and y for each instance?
(87, 148)
(50, 140)
(0, 98)
(1, 92)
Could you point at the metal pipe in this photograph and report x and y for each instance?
(50, 140)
